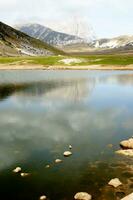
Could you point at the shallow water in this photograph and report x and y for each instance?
(43, 112)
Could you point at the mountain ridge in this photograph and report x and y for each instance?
(48, 35)
(14, 42)
(118, 44)
(115, 42)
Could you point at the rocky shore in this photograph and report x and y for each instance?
(63, 67)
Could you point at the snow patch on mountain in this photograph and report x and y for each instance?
(122, 41)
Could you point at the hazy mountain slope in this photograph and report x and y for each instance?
(117, 42)
(78, 26)
(14, 42)
(48, 35)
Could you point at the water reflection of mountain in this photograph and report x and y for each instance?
(72, 89)
(125, 79)
(122, 79)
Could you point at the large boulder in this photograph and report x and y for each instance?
(125, 152)
(115, 182)
(82, 196)
(127, 144)
(129, 197)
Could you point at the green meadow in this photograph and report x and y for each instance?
(57, 60)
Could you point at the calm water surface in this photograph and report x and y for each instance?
(43, 112)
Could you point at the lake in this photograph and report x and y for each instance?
(43, 112)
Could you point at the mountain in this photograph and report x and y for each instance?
(121, 44)
(78, 26)
(48, 35)
(14, 42)
(113, 43)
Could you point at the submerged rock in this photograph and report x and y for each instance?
(128, 144)
(47, 166)
(129, 197)
(67, 153)
(58, 161)
(82, 196)
(127, 152)
(43, 197)
(115, 182)
(24, 174)
(17, 170)
(110, 145)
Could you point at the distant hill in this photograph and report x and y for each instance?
(122, 44)
(14, 43)
(117, 42)
(48, 35)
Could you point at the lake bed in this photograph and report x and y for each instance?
(42, 113)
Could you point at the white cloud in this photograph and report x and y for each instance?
(111, 14)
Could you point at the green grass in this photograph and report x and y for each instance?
(87, 60)
(51, 60)
(108, 60)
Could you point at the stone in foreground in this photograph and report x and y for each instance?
(58, 161)
(127, 152)
(128, 144)
(67, 153)
(129, 197)
(43, 197)
(115, 182)
(17, 170)
(82, 196)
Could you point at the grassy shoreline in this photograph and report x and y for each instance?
(55, 62)
(63, 67)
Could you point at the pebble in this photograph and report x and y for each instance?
(43, 197)
(70, 146)
(82, 196)
(17, 170)
(115, 182)
(24, 174)
(58, 161)
(47, 166)
(67, 153)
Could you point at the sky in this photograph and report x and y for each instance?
(106, 18)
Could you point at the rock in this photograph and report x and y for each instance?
(115, 182)
(17, 170)
(24, 174)
(58, 161)
(43, 197)
(128, 144)
(127, 152)
(69, 61)
(70, 146)
(47, 166)
(129, 197)
(82, 196)
(67, 153)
